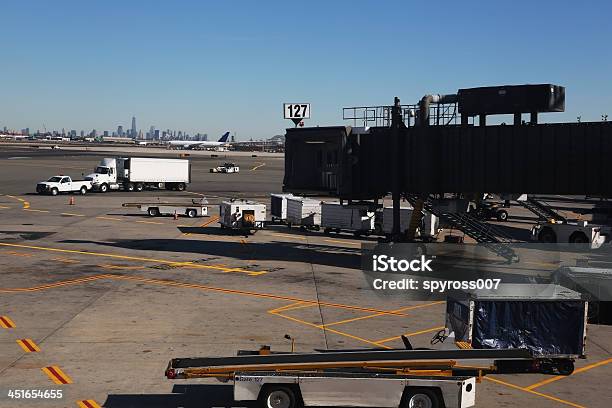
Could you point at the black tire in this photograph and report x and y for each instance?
(104, 188)
(130, 187)
(327, 231)
(153, 211)
(547, 236)
(192, 213)
(83, 190)
(578, 238)
(54, 191)
(502, 215)
(421, 397)
(139, 187)
(565, 367)
(278, 397)
(180, 186)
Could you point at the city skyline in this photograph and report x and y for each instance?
(196, 73)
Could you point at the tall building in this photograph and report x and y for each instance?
(134, 132)
(120, 130)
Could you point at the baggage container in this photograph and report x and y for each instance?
(547, 319)
(354, 218)
(405, 215)
(278, 206)
(242, 215)
(305, 212)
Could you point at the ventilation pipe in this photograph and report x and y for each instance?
(429, 99)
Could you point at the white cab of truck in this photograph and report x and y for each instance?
(63, 184)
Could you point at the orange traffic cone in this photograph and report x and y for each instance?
(71, 201)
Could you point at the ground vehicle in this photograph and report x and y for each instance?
(305, 212)
(63, 184)
(226, 168)
(278, 206)
(196, 208)
(568, 231)
(356, 218)
(138, 173)
(486, 211)
(242, 215)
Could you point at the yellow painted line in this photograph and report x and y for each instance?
(15, 253)
(403, 309)
(576, 371)
(33, 210)
(550, 397)
(132, 258)
(24, 203)
(292, 306)
(122, 267)
(416, 333)
(109, 218)
(28, 345)
(151, 222)
(338, 241)
(258, 166)
(278, 234)
(207, 223)
(73, 214)
(54, 285)
(88, 404)
(65, 260)
(57, 375)
(6, 323)
(4, 207)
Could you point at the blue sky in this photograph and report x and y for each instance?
(213, 66)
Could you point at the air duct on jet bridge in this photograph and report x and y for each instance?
(429, 99)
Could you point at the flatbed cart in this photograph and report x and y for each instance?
(355, 378)
(197, 208)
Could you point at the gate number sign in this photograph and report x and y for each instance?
(296, 110)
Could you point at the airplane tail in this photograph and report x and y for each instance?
(224, 138)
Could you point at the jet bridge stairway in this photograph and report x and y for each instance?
(482, 232)
(540, 209)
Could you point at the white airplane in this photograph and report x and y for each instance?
(185, 144)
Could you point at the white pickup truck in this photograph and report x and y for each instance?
(63, 184)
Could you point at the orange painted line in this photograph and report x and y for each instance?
(6, 322)
(57, 375)
(411, 334)
(576, 371)
(88, 404)
(28, 345)
(550, 397)
(403, 309)
(207, 223)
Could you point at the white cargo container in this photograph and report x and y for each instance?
(305, 212)
(405, 215)
(355, 218)
(278, 206)
(242, 214)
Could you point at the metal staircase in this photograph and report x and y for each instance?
(543, 211)
(482, 232)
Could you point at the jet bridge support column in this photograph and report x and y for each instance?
(396, 123)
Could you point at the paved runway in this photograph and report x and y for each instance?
(95, 299)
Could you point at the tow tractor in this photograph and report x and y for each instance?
(226, 168)
(569, 231)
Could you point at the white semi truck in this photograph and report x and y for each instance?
(138, 173)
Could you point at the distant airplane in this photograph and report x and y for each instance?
(185, 144)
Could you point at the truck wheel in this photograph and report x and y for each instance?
(130, 187)
(83, 190)
(54, 191)
(191, 213)
(327, 231)
(578, 238)
(277, 397)
(139, 187)
(547, 236)
(104, 188)
(502, 215)
(153, 211)
(180, 186)
(420, 398)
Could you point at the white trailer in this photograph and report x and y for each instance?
(569, 231)
(305, 212)
(138, 173)
(405, 216)
(290, 390)
(356, 218)
(197, 208)
(278, 206)
(242, 215)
